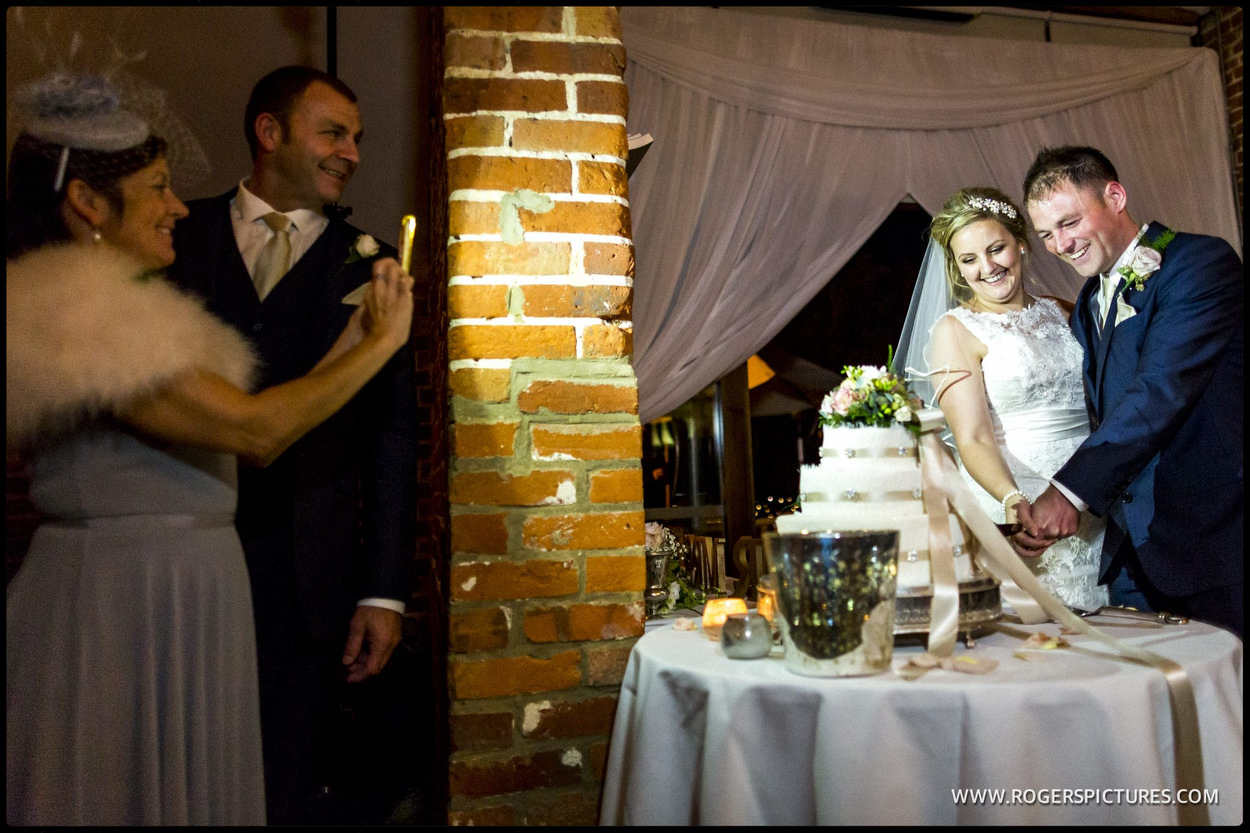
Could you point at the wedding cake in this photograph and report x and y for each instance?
(870, 477)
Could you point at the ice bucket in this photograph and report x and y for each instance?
(835, 599)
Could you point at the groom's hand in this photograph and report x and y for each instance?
(1051, 517)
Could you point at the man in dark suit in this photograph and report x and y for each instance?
(328, 529)
(1160, 320)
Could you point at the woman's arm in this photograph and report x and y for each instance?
(967, 410)
(204, 410)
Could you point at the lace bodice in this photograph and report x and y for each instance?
(1033, 359)
(1032, 373)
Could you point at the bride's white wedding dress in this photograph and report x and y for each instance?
(1032, 372)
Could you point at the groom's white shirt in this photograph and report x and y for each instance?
(1103, 299)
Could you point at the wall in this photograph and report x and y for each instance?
(546, 516)
(206, 59)
(1221, 30)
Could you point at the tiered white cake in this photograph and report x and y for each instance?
(869, 478)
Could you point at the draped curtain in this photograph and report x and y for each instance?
(781, 145)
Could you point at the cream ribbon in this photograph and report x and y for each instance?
(1005, 565)
(944, 607)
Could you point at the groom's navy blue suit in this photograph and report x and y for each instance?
(332, 520)
(1164, 461)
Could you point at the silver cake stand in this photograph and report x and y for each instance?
(979, 606)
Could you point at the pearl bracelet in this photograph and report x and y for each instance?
(1014, 493)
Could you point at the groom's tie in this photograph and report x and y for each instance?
(1106, 307)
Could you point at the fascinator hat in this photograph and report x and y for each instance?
(62, 113)
(100, 127)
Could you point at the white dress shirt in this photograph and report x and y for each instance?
(247, 212)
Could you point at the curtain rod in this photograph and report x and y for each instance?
(1061, 17)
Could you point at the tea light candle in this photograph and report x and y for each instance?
(715, 613)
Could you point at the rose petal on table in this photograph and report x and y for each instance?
(1044, 642)
(926, 660)
(912, 672)
(968, 664)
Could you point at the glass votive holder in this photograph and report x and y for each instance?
(715, 613)
(746, 636)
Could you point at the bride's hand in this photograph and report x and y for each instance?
(1027, 547)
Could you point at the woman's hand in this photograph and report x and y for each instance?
(387, 305)
(1026, 547)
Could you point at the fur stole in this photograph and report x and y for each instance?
(84, 335)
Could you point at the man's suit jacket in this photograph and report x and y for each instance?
(1164, 461)
(335, 514)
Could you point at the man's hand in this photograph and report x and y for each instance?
(1051, 517)
(372, 636)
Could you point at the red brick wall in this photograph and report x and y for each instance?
(546, 575)
(1221, 30)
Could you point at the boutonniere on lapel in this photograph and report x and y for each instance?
(1145, 260)
(364, 248)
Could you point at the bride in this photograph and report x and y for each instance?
(1007, 372)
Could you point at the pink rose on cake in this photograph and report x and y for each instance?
(844, 398)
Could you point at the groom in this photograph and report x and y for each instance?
(1160, 321)
(328, 529)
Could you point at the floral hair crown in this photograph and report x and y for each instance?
(994, 206)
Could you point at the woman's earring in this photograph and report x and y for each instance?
(96, 237)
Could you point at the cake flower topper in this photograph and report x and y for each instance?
(872, 396)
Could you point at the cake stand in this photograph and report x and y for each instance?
(979, 605)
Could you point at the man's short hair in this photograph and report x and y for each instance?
(1076, 165)
(277, 94)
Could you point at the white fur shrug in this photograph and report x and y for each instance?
(84, 335)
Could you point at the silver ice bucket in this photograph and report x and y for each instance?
(835, 599)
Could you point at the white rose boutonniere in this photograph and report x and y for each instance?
(364, 248)
(1145, 261)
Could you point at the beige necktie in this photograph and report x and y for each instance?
(275, 255)
(1109, 285)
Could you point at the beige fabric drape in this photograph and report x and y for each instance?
(781, 145)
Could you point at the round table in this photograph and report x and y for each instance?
(1069, 736)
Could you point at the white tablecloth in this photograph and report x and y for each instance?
(703, 739)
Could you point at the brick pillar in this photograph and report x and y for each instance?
(1221, 30)
(546, 578)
